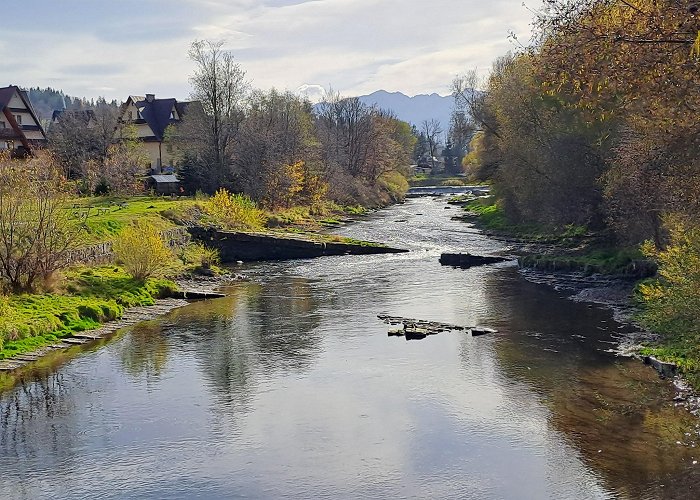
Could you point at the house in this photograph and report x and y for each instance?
(20, 128)
(84, 116)
(151, 117)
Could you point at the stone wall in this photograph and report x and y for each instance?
(101, 253)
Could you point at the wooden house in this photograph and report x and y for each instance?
(20, 128)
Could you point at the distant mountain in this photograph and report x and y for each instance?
(413, 109)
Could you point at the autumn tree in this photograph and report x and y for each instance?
(360, 146)
(83, 135)
(120, 172)
(36, 232)
(276, 157)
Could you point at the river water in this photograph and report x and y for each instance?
(291, 388)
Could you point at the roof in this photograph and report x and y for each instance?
(83, 114)
(164, 179)
(157, 114)
(6, 94)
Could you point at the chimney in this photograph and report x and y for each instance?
(150, 97)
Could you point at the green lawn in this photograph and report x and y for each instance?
(89, 297)
(104, 217)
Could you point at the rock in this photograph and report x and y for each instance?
(415, 334)
(396, 333)
(482, 330)
(665, 369)
(466, 260)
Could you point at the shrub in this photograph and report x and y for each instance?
(235, 211)
(198, 255)
(673, 301)
(143, 252)
(395, 184)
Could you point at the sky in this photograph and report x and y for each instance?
(116, 48)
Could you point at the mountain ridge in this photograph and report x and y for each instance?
(413, 109)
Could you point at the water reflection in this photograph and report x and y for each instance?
(616, 412)
(41, 400)
(144, 354)
(290, 387)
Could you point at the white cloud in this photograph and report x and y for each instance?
(355, 46)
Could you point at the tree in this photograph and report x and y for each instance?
(277, 152)
(219, 85)
(359, 145)
(121, 170)
(432, 130)
(36, 232)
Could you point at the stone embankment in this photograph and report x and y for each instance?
(241, 246)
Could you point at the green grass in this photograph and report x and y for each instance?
(92, 297)
(105, 217)
(612, 261)
(680, 344)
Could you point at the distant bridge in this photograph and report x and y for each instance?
(418, 191)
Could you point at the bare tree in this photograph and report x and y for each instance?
(432, 130)
(219, 85)
(82, 135)
(36, 233)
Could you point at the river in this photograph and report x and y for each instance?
(290, 388)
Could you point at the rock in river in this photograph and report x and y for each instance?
(466, 260)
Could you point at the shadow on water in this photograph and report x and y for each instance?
(616, 411)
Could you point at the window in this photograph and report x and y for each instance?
(2, 124)
(19, 119)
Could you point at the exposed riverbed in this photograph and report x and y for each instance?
(290, 387)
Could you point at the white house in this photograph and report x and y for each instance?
(20, 128)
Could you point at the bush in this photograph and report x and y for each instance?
(673, 301)
(143, 252)
(235, 211)
(198, 255)
(395, 184)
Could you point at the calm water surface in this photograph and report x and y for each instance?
(290, 388)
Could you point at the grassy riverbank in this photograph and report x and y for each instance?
(668, 302)
(85, 299)
(565, 248)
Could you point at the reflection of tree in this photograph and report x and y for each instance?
(33, 420)
(552, 345)
(145, 350)
(256, 329)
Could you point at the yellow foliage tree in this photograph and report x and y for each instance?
(235, 211)
(142, 251)
(674, 300)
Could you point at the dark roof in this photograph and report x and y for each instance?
(83, 114)
(6, 94)
(164, 178)
(157, 114)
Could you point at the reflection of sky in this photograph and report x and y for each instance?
(363, 416)
(356, 46)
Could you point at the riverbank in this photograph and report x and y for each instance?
(92, 304)
(85, 298)
(590, 269)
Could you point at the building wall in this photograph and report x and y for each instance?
(24, 118)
